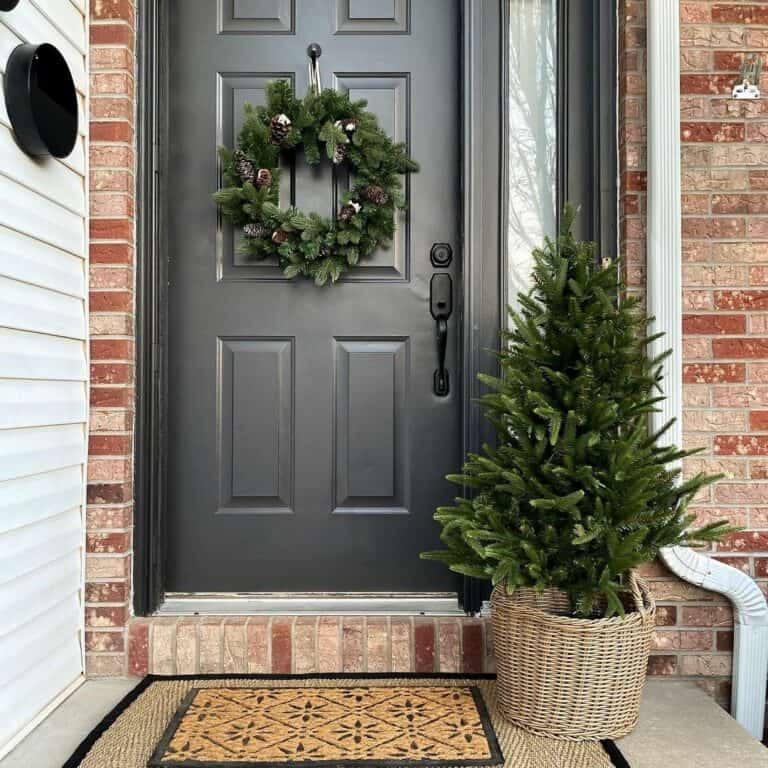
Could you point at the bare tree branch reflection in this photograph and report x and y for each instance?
(532, 138)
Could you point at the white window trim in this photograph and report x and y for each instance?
(750, 644)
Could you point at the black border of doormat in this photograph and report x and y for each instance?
(495, 760)
(77, 757)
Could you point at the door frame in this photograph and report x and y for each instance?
(483, 285)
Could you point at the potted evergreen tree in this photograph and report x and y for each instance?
(573, 498)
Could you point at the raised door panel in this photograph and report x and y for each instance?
(257, 17)
(255, 426)
(371, 452)
(372, 17)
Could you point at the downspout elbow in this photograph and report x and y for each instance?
(750, 620)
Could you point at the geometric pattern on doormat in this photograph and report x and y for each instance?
(129, 735)
(404, 726)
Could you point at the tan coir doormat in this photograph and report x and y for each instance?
(323, 721)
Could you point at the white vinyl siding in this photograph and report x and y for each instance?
(43, 392)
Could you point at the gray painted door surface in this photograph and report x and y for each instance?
(307, 449)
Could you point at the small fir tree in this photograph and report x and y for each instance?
(576, 492)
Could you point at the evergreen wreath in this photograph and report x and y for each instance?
(307, 244)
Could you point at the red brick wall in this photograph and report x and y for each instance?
(109, 516)
(725, 298)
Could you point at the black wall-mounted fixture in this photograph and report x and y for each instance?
(41, 100)
(8, 5)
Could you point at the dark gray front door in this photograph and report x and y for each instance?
(306, 448)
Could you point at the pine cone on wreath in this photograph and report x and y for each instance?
(255, 230)
(349, 210)
(340, 154)
(348, 125)
(263, 178)
(279, 128)
(280, 236)
(374, 194)
(244, 167)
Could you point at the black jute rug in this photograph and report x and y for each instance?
(323, 721)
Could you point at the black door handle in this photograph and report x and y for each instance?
(441, 307)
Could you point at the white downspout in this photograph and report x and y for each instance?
(750, 652)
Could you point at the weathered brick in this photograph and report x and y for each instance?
(105, 616)
(304, 636)
(714, 372)
(258, 633)
(138, 648)
(186, 647)
(377, 652)
(107, 543)
(210, 651)
(749, 13)
(234, 650)
(402, 643)
(329, 644)
(705, 664)
(162, 645)
(449, 646)
(662, 665)
(711, 131)
(681, 639)
(472, 647)
(353, 654)
(745, 541)
(106, 592)
(281, 646)
(714, 324)
(424, 638)
(112, 9)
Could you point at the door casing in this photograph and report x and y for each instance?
(484, 200)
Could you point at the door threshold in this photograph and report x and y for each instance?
(310, 603)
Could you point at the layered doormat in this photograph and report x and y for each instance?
(323, 721)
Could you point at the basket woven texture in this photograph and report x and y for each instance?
(568, 678)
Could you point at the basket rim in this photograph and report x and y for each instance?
(646, 613)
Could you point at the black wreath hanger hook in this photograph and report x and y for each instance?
(314, 51)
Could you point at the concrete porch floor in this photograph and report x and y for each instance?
(679, 726)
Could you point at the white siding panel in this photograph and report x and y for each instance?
(47, 177)
(19, 700)
(36, 356)
(26, 549)
(28, 260)
(43, 392)
(26, 211)
(40, 403)
(27, 500)
(41, 449)
(24, 648)
(33, 594)
(29, 308)
(65, 17)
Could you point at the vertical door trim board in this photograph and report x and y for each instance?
(151, 303)
(587, 119)
(482, 192)
(484, 159)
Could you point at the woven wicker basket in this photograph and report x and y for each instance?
(567, 678)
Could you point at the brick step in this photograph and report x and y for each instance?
(302, 644)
